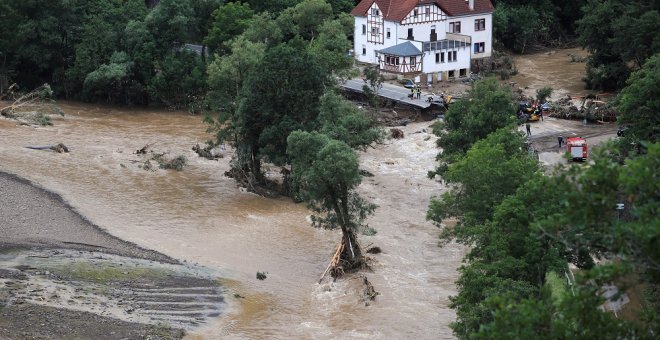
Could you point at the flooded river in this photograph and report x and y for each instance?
(201, 216)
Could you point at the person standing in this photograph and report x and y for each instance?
(412, 92)
(529, 129)
(419, 93)
(560, 139)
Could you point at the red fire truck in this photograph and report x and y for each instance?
(576, 147)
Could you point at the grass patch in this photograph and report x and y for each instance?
(101, 273)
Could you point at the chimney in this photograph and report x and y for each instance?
(470, 4)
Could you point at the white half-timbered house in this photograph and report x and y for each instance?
(429, 40)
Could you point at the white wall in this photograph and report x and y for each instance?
(371, 48)
(463, 61)
(467, 28)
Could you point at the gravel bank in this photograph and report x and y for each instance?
(33, 217)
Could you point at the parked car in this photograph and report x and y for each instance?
(407, 83)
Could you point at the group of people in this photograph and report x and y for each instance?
(525, 111)
(415, 92)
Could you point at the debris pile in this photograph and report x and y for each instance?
(396, 133)
(208, 152)
(33, 108)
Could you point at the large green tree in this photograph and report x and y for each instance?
(488, 107)
(327, 174)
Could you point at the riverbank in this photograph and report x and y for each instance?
(61, 276)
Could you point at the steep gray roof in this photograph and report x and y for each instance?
(405, 49)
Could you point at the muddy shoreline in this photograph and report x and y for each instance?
(41, 210)
(62, 276)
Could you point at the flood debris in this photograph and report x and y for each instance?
(396, 133)
(374, 250)
(33, 108)
(207, 152)
(261, 276)
(369, 293)
(59, 148)
(177, 163)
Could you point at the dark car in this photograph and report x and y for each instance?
(407, 83)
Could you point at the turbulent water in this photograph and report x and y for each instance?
(201, 216)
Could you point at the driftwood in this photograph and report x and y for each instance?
(335, 264)
(59, 148)
(143, 150)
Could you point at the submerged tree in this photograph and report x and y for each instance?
(327, 174)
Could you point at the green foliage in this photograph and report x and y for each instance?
(519, 25)
(491, 170)
(488, 107)
(305, 19)
(226, 75)
(618, 33)
(373, 82)
(639, 103)
(272, 6)
(326, 173)
(110, 80)
(330, 48)
(229, 21)
(341, 120)
(543, 93)
(180, 81)
(277, 100)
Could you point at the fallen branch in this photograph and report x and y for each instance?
(59, 148)
(334, 262)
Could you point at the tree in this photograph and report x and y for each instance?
(305, 19)
(639, 103)
(229, 21)
(490, 171)
(282, 97)
(330, 49)
(543, 93)
(226, 75)
(617, 34)
(488, 107)
(181, 80)
(341, 120)
(327, 173)
(373, 82)
(110, 80)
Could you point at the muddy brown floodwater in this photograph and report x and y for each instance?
(200, 216)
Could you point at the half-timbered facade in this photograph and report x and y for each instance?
(426, 39)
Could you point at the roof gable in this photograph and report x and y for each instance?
(405, 49)
(396, 10)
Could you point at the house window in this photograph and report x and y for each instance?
(364, 50)
(479, 47)
(364, 29)
(462, 72)
(388, 33)
(428, 12)
(440, 57)
(415, 13)
(413, 60)
(451, 74)
(480, 24)
(451, 56)
(375, 30)
(410, 34)
(455, 27)
(374, 11)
